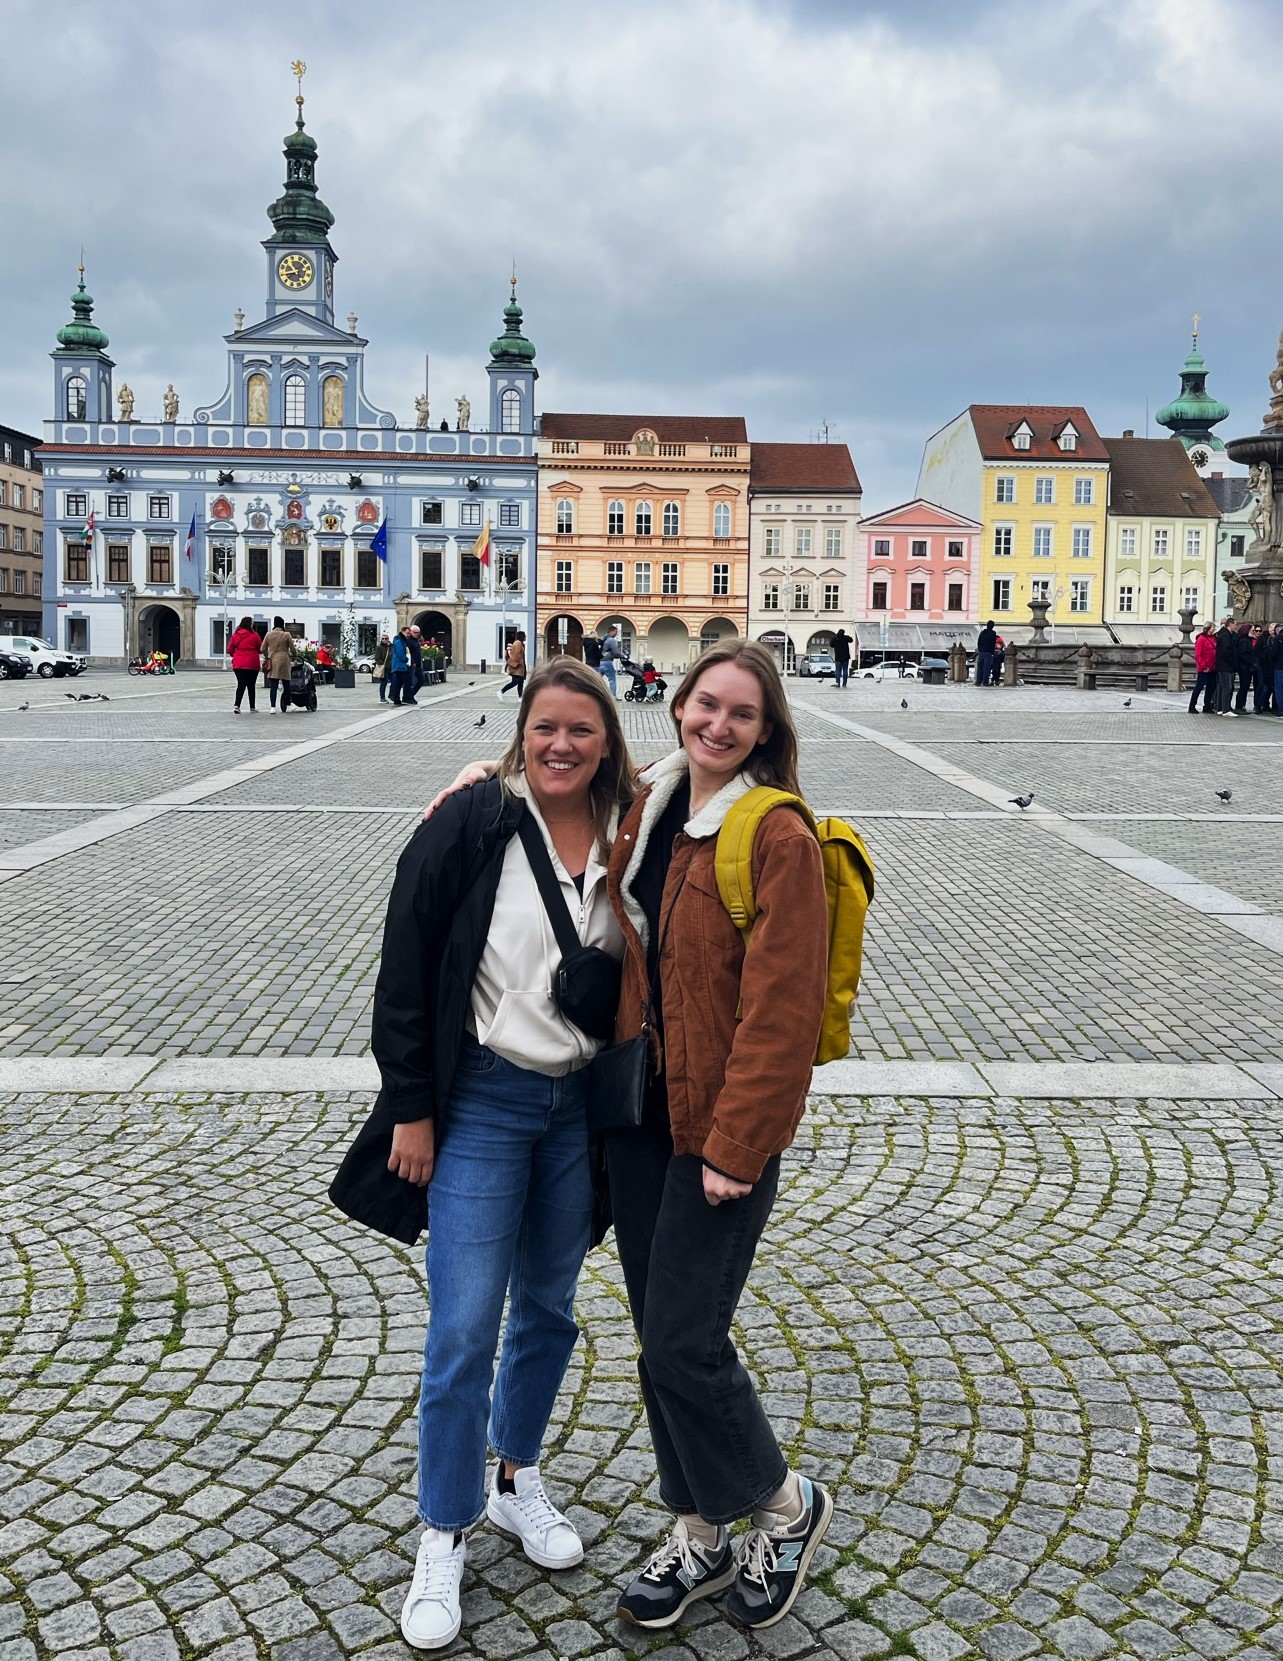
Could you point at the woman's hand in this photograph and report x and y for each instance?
(718, 1188)
(476, 772)
(413, 1152)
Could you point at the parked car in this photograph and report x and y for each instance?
(363, 665)
(892, 670)
(47, 660)
(816, 664)
(14, 666)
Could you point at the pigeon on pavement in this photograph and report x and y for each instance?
(904, 703)
(74, 696)
(1127, 703)
(1022, 802)
(480, 723)
(1224, 795)
(21, 707)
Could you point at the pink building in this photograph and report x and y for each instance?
(921, 579)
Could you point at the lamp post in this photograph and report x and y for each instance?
(1057, 595)
(788, 597)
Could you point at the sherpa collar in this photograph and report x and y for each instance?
(663, 779)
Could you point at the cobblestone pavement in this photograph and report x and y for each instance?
(1034, 1343)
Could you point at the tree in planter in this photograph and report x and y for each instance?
(347, 636)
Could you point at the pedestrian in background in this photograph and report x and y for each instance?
(1226, 663)
(999, 659)
(1267, 651)
(383, 666)
(986, 641)
(245, 649)
(841, 657)
(278, 654)
(402, 669)
(514, 661)
(1244, 666)
(1204, 671)
(414, 639)
(609, 656)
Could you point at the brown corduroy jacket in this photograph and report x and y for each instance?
(740, 1027)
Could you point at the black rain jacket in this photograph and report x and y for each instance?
(438, 919)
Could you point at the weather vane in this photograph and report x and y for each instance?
(298, 68)
(513, 279)
(1196, 328)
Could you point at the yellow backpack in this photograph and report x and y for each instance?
(848, 884)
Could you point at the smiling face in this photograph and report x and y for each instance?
(563, 744)
(722, 721)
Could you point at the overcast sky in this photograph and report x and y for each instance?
(861, 212)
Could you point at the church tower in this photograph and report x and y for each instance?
(300, 261)
(81, 367)
(512, 374)
(1191, 416)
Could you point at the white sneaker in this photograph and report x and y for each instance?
(430, 1617)
(499, 695)
(546, 1537)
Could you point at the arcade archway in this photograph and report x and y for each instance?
(436, 627)
(160, 629)
(564, 634)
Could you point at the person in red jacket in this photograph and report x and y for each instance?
(245, 649)
(1205, 671)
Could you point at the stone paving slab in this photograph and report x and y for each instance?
(1035, 1347)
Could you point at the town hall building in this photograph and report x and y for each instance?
(282, 493)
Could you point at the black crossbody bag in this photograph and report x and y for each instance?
(585, 988)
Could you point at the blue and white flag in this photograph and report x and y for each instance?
(380, 540)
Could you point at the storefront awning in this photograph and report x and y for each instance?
(876, 636)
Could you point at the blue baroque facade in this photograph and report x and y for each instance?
(288, 475)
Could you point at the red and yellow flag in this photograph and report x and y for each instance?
(481, 547)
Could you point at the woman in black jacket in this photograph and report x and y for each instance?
(484, 1104)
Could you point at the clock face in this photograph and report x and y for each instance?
(295, 271)
(1200, 458)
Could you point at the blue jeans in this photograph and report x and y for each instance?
(401, 683)
(606, 669)
(984, 668)
(510, 1209)
(840, 673)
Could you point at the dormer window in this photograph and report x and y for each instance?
(1068, 439)
(1020, 439)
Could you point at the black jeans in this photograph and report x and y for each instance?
(1224, 690)
(519, 681)
(1246, 681)
(1205, 682)
(685, 1263)
(277, 683)
(246, 681)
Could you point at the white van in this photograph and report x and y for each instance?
(46, 660)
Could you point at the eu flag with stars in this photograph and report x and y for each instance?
(380, 540)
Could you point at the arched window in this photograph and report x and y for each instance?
(672, 519)
(77, 392)
(295, 401)
(721, 519)
(332, 401)
(615, 519)
(256, 401)
(565, 517)
(642, 519)
(511, 415)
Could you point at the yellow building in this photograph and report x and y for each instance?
(643, 525)
(1160, 551)
(1037, 478)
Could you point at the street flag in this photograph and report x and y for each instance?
(89, 531)
(189, 547)
(379, 542)
(481, 547)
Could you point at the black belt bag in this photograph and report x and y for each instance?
(585, 984)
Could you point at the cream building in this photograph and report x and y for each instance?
(1160, 541)
(643, 524)
(803, 548)
(21, 533)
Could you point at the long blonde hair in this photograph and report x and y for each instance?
(614, 784)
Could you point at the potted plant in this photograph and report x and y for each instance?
(345, 673)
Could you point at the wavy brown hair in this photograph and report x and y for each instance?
(614, 784)
(774, 761)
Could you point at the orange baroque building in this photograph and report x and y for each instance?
(643, 523)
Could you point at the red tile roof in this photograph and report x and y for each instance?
(802, 467)
(1156, 478)
(995, 423)
(672, 429)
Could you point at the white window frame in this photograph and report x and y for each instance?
(672, 519)
(1043, 542)
(772, 537)
(1127, 542)
(643, 518)
(294, 398)
(1084, 491)
(832, 598)
(615, 517)
(1127, 598)
(1001, 590)
(1045, 490)
(642, 577)
(1158, 600)
(721, 519)
(770, 596)
(1079, 595)
(721, 580)
(833, 542)
(1193, 543)
(670, 577)
(614, 576)
(1162, 543)
(1004, 541)
(1082, 542)
(565, 516)
(803, 540)
(564, 577)
(1004, 488)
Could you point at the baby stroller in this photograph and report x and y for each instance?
(647, 687)
(301, 689)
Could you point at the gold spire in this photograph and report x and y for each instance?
(513, 279)
(298, 69)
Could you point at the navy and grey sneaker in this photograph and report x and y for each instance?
(773, 1561)
(674, 1577)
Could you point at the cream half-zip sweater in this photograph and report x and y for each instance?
(512, 1010)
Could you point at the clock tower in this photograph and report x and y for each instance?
(300, 261)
